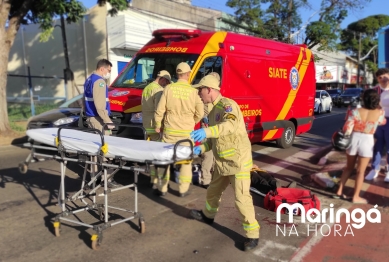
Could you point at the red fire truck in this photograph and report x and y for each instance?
(273, 82)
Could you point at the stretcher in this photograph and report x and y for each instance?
(98, 152)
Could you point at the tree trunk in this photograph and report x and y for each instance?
(7, 38)
(5, 46)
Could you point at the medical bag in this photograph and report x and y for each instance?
(275, 198)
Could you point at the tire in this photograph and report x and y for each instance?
(288, 135)
(329, 109)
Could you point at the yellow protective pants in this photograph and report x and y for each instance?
(185, 177)
(207, 160)
(243, 201)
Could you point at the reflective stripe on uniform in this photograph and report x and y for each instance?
(249, 227)
(226, 153)
(248, 164)
(150, 131)
(214, 131)
(243, 175)
(174, 131)
(209, 208)
(91, 99)
(185, 179)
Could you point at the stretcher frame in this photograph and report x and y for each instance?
(117, 163)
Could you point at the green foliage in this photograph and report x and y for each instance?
(19, 112)
(249, 12)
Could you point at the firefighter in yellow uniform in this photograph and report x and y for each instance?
(150, 98)
(179, 109)
(227, 138)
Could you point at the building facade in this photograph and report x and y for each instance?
(336, 70)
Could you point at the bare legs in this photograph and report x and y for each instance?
(362, 164)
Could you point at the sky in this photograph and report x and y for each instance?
(375, 7)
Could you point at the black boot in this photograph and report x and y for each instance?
(159, 193)
(250, 243)
(199, 215)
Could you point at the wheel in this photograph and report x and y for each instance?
(142, 225)
(23, 168)
(287, 138)
(329, 108)
(57, 229)
(95, 242)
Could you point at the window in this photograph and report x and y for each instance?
(144, 68)
(210, 64)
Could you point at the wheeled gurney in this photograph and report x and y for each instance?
(95, 150)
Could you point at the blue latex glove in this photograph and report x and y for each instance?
(197, 150)
(198, 135)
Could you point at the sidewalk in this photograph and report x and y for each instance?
(369, 243)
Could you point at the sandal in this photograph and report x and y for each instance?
(342, 196)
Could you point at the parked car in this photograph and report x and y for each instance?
(323, 102)
(351, 96)
(335, 94)
(66, 115)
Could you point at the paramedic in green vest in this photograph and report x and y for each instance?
(96, 103)
(150, 98)
(178, 111)
(227, 138)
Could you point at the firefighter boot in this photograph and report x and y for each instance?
(250, 243)
(199, 215)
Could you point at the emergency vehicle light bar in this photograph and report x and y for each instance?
(176, 32)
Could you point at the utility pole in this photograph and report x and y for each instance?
(69, 76)
(359, 59)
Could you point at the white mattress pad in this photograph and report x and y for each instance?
(138, 150)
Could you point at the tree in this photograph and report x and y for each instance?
(325, 31)
(14, 13)
(281, 18)
(360, 38)
(249, 12)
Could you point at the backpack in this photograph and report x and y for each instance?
(262, 181)
(291, 196)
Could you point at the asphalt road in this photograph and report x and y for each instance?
(28, 206)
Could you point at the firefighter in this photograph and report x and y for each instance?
(227, 138)
(150, 98)
(180, 108)
(207, 158)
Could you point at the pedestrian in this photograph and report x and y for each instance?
(227, 138)
(178, 110)
(382, 133)
(361, 125)
(96, 105)
(207, 158)
(150, 98)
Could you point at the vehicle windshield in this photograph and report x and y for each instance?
(333, 91)
(317, 94)
(143, 69)
(75, 102)
(352, 92)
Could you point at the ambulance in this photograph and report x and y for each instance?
(273, 82)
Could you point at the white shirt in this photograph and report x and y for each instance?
(385, 101)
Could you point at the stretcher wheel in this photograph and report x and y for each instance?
(95, 242)
(57, 229)
(23, 168)
(142, 225)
